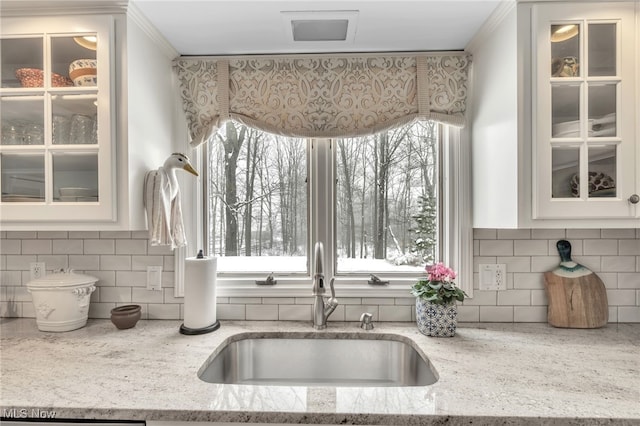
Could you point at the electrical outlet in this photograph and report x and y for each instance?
(37, 270)
(493, 277)
(154, 278)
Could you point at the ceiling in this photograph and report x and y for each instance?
(224, 27)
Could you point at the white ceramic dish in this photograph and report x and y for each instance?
(21, 199)
(569, 126)
(77, 192)
(78, 199)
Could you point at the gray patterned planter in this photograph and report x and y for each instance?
(436, 320)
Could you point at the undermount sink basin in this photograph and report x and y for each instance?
(319, 361)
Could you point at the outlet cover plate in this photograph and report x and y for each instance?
(37, 270)
(154, 278)
(493, 276)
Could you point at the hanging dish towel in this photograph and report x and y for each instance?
(164, 213)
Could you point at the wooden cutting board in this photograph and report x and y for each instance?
(577, 296)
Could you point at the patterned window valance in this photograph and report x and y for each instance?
(322, 96)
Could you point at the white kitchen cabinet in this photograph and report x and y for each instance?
(585, 111)
(73, 157)
(553, 113)
(57, 150)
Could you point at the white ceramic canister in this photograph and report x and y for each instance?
(61, 300)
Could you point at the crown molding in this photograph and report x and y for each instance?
(147, 27)
(493, 21)
(27, 8)
(15, 8)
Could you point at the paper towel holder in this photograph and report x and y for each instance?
(201, 330)
(204, 330)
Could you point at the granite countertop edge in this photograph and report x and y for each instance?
(479, 382)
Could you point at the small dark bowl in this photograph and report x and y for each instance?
(126, 316)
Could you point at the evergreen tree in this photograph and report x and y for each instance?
(424, 234)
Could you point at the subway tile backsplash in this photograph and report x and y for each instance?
(120, 259)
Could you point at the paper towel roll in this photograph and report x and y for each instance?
(200, 292)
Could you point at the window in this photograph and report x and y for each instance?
(269, 198)
(386, 203)
(257, 201)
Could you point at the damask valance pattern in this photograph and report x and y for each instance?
(321, 96)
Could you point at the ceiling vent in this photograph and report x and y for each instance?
(331, 26)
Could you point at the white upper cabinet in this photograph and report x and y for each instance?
(555, 118)
(57, 148)
(88, 105)
(585, 114)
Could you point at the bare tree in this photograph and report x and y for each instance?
(385, 147)
(252, 160)
(232, 146)
(347, 162)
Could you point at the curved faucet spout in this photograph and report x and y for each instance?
(318, 277)
(321, 311)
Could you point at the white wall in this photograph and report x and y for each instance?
(146, 112)
(494, 128)
(119, 260)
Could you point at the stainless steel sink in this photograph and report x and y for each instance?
(318, 361)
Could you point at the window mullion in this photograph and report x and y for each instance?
(322, 203)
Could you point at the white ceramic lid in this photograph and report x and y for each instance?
(62, 279)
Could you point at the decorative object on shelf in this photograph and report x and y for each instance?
(33, 77)
(577, 297)
(61, 300)
(600, 185)
(126, 316)
(162, 202)
(561, 33)
(89, 42)
(84, 72)
(83, 130)
(565, 67)
(61, 129)
(436, 296)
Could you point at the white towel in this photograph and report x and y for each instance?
(164, 213)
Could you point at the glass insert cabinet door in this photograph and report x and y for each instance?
(55, 95)
(584, 91)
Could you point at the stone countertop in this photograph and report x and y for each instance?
(520, 373)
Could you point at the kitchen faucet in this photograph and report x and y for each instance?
(321, 311)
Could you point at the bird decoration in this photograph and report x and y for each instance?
(162, 202)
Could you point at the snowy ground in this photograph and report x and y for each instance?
(299, 264)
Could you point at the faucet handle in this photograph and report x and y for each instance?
(366, 322)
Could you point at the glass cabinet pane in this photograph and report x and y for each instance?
(602, 171)
(74, 120)
(566, 171)
(602, 50)
(22, 177)
(75, 177)
(565, 111)
(22, 120)
(565, 50)
(74, 58)
(602, 110)
(22, 62)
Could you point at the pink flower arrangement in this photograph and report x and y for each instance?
(438, 286)
(440, 273)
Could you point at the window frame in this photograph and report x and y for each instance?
(456, 234)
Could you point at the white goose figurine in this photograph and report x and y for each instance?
(162, 202)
